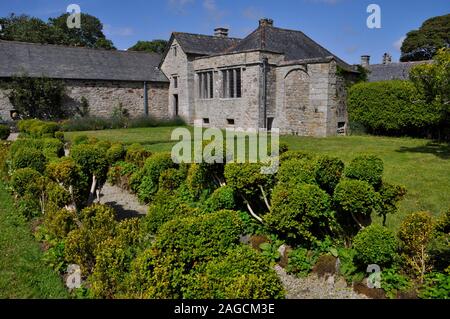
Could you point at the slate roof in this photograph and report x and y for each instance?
(391, 71)
(62, 62)
(199, 44)
(295, 45)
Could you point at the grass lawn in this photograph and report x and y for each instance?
(423, 167)
(23, 274)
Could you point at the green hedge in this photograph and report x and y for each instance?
(390, 107)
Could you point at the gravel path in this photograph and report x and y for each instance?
(13, 136)
(313, 287)
(126, 204)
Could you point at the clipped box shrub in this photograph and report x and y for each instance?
(171, 179)
(136, 154)
(375, 245)
(115, 153)
(195, 239)
(165, 207)
(37, 128)
(302, 214)
(246, 178)
(97, 225)
(368, 168)
(91, 159)
(415, 234)
(60, 223)
(357, 199)
(5, 131)
(153, 168)
(241, 274)
(329, 172)
(29, 157)
(295, 172)
(52, 148)
(120, 174)
(25, 181)
(222, 198)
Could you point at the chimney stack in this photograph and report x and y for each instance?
(387, 58)
(221, 32)
(365, 60)
(266, 22)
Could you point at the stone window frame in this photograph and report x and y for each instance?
(232, 85)
(176, 82)
(205, 85)
(175, 50)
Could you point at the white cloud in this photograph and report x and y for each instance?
(117, 31)
(398, 44)
(179, 6)
(253, 13)
(213, 11)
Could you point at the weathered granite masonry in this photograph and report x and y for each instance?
(288, 82)
(105, 96)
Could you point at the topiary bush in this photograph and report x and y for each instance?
(37, 128)
(222, 198)
(241, 274)
(375, 245)
(115, 153)
(390, 196)
(29, 157)
(295, 172)
(196, 239)
(136, 154)
(302, 214)
(60, 223)
(153, 168)
(329, 172)
(171, 179)
(368, 168)
(415, 234)
(355, 201)
(5, 131)
(97, 225)
(165, 207)
(52, 148)
(120, 174)
(24, 181)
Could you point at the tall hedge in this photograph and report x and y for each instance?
(390, 107)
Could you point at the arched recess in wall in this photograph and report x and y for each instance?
(296, 97)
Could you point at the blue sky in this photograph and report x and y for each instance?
(339, 25)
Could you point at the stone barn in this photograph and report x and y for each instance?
(105, 78)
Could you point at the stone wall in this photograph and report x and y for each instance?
(179, 66)
(245, 111)
(104, 96)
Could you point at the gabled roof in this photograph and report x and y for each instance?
(62, 62)
(198, 44)
(295, 45)
(391, 71)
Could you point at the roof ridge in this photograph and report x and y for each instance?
(78, 47)
(207, 35)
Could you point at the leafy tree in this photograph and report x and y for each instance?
(38, 97)
(155, 46)
(432, 81)
(89, 35)
(423, 44)
(30, 29)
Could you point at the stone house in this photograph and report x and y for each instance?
(105, 78)
(273, 78)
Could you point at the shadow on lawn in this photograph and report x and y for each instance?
(441, 150)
